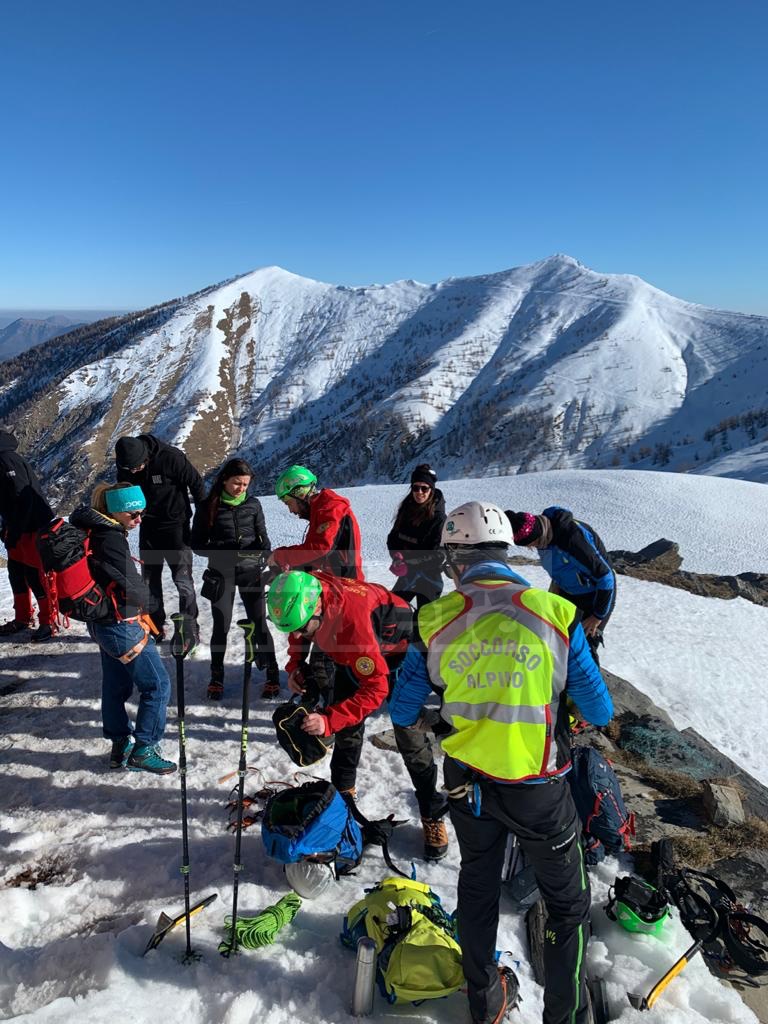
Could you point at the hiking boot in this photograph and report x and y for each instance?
(41, 634)
(14, 626)
(352, 791)
(510, 991)
(121, 750)
(145, 758)
(272, 686)
(435, 838)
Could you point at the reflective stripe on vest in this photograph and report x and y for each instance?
(499, 652)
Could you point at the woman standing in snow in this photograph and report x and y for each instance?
(414, 540)
(128, 657)
(229, 530)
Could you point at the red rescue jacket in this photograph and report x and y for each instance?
(362, 625)
(332, 540)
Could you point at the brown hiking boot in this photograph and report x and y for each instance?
(435, 838)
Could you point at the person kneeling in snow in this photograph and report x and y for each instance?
(364, 630)
(128, 656)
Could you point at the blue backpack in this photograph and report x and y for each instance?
(315, 822)
(606, 823)
(312, 821)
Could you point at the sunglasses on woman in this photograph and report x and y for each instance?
(135, 515)
(420, 488)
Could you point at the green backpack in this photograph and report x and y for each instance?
(418, 955)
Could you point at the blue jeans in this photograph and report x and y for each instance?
(146, 672)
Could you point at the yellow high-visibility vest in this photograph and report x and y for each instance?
(499, 652)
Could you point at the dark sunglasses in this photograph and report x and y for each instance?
(420, 488)
(135, 515)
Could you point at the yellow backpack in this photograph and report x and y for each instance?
(418, 955)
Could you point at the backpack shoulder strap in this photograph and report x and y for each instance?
(376, 833)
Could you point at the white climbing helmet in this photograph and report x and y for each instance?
(474, 523)
(309, 879)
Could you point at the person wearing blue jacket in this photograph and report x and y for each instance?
(507, 659)
(575, 559)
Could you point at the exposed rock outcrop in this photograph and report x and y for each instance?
(660, 563)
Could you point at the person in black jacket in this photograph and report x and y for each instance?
(128, 656)
(414, 540)
(24, 511)
(229, 529)
(575, 559)
(167, 479)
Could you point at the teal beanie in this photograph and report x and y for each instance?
(125, 499)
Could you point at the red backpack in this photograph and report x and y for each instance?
(70, 587)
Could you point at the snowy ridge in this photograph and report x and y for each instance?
(546, 366)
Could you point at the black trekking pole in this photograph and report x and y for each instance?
(181, 644)
(226, 948)
(179, 651)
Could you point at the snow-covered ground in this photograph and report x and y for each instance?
(70, 949)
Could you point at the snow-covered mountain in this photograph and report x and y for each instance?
(26, 332)
(541, 367)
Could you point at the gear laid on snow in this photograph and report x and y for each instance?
(254, 932)
(309, 878)
(637, 906)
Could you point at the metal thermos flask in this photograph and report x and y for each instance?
(365, 977)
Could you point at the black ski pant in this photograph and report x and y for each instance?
(414, 746)
(155, 552)
(248, 583)
(544, 819)
(348, 743)
(416, 751)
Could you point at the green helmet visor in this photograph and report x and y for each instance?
(293, 600)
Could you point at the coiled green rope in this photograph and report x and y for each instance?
(253, 932)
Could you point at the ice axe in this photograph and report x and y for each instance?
(640, 1002)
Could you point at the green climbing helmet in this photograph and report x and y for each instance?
(295, 482)
(292, 600)
(637, 906)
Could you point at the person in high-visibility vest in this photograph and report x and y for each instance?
(504, 657)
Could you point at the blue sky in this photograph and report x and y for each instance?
(150, 149)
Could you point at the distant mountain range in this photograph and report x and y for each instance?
(546, 366)
(26, 332)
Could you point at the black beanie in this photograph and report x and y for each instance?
(130, 453)
(424, 474)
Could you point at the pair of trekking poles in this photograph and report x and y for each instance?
(181, 645)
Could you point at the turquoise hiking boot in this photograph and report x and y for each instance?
(121, 750)
(148, 759)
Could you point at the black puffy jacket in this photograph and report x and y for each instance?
(167, 481)
(22, 505)
(420, 542)
(110, 562)
(228, 534)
